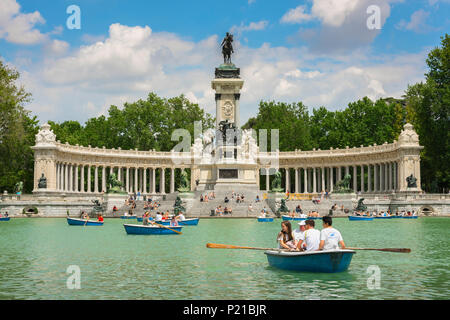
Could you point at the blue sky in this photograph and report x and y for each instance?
(316, 51)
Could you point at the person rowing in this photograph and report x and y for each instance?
(181, 216)
(330, 238)
(298, 233)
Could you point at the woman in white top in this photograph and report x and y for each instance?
(285, 237)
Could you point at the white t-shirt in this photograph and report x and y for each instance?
(312, 239)
(182, 217)
(286, 242)
(298, 235)
(331, 237)
(158, 217)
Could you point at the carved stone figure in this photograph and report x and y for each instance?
(227, 48)
(361, 206)
(45, 135)
(343, 186)
(283, 208)
(115, 184)
(185, 183)
(19, 187)
(178, 206)
(276, 183)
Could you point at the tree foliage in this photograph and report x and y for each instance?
(17, 131)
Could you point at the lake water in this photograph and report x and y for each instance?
(35, 255)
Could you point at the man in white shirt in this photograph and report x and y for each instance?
(181, 216)
(158, 216)
(310, 238)
(330, 238)
(298, 233)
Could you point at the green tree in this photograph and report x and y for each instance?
(17, 131)
(428, 104)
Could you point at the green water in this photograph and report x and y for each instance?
(35, 254)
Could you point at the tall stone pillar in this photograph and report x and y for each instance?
(172, 180)
(288, 181)
(331, 179)
(314, 173)
(267, 179)
(305, 180)
(128, 180)
(375, 177)
(355, 178)
(369, 178)
(76, 178)
(66, 178)
(296, 180)
(145, 181)
(136, 171)
(96, 179)
(89, 178)
(82, 179)
(163, 181)
(103, 179)
(339, 174)
(362, 178)
(154, 180)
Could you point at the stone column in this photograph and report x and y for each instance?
(347, 170)
(128, 180)
(103, 179)
(66, 178)
(288, 182)
(390, 176)
(386, 177)
(153, 180)
(119, 174)
(305, 180)
(145, 181)
(314, 180)
(323, 179)
(70, 178)
(355, 178)
(296, 180)
(96, 179)
(381, 177)
(136, 172)
(339, 174)
(76, 179)
(82, 179)
(163, 181)
(89, 179)
(369, 179)
(331, 179)
(267, 179)
(362, 178)
(172, 180)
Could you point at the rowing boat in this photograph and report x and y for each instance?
(410, 217)
(149, 230)
(387, 217)
(187, 222)
(128, 217)
(287, 218)
(359, 218)
(329, 261)
(5, 219)
(82, 222)
(265, 219)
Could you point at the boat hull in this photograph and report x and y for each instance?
(331, 261)
(128, 217)
(383, 217)
(411, 217)
(360, 218)
(287, 218)
(265, 219)
(81, 222)
(5, 219)
(149, 230)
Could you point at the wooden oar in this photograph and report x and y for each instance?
(228, 246)
(399, 250)
(160, 225)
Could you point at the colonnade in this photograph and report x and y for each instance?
(372, 177)
(82, 178)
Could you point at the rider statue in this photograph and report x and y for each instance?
(227, 48)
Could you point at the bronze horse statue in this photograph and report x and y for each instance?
(227, 48)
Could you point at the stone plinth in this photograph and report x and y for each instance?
(112, 199)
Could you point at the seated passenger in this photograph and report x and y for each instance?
(285, 237)
(310, 238)
(330, 238)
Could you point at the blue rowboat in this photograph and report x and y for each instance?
(265, 219)
(359, 218)
(314, 218)
(187, 222)
(287, 218)
(397, 217)
(388, 217)
(329, 261)
(149, 230)
(82, 222)
(128, 217)
(5, 219)
(141, 219)
(410, 217)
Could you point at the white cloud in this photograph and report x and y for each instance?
(253, 26)
(17, 27)
(296, 15)
(133, 61)
(417, 22)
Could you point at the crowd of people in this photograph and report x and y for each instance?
(307, 238)
(160, 217)
(4, 216)
(206, 197)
